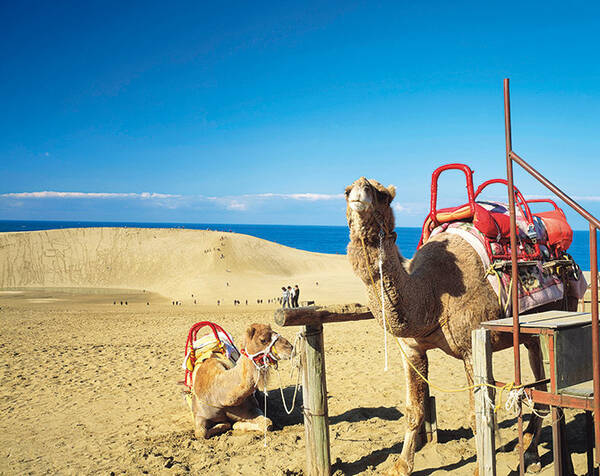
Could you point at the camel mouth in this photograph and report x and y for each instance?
(359, 205)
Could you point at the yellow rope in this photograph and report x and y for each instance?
(507, 387)
(494, 271)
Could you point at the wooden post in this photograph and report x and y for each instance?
(484, 413)
(314, 395)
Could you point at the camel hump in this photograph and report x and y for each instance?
(205, 372)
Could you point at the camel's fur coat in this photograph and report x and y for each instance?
(433, 301)
(223, 394)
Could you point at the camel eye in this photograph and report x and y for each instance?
(264, 340)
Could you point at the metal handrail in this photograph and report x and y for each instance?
(594, 225)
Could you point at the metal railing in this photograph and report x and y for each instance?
(594, 225)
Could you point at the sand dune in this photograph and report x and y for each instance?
(176, 263)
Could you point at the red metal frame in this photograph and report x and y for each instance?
(520, 199)
(524, 206)
(594, 225)
(431, 221)
(434, 180)
(544, 200)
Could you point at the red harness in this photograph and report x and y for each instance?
(266, 357)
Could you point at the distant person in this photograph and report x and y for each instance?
(285, 297)
(291, 295)
(296, 296)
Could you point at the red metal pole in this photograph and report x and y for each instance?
(514, 270)
(595, 336)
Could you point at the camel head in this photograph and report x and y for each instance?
(368, 207)
(259, 337)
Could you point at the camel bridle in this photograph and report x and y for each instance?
(265, 358)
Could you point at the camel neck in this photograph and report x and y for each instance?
(404, 313)
(246, 381)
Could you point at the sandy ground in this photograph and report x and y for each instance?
(89, 385)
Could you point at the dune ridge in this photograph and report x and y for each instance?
(173, 262)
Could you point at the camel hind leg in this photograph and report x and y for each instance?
(416, 389)
(531, 435)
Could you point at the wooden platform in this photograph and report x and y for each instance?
(545, 320)
(566, 344)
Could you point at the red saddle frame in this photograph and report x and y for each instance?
(467, 211)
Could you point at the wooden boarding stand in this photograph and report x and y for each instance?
(314, 384)
(566, 343)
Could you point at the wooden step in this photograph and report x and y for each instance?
(583, 389)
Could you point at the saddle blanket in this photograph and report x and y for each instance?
(206, 346)
(536, 285)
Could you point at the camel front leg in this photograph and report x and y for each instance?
(468, 363)
(248, 417)
(260, 423)
(218, 429)
(416, 390)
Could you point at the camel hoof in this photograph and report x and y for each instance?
(532, 463)
(401, 468)
(267, 425)
(534, 467)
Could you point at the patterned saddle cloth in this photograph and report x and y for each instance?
(541, 281)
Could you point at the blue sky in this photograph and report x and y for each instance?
(257, 112)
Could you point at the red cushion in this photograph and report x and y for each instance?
(491, 224)
(446, 215)
(559, 232)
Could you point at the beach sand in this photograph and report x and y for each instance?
(88, 386)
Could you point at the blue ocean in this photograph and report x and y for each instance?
(321, 239)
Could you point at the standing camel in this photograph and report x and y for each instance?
(432, 301)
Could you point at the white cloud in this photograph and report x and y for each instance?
(237, 206)
(310, 197)
(51, 194)
(172, 201)
(411, 208)
(587, 199)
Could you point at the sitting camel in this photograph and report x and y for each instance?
(222, 394)
(432, 301)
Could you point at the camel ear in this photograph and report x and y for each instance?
(392, 191)
(250, 332)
